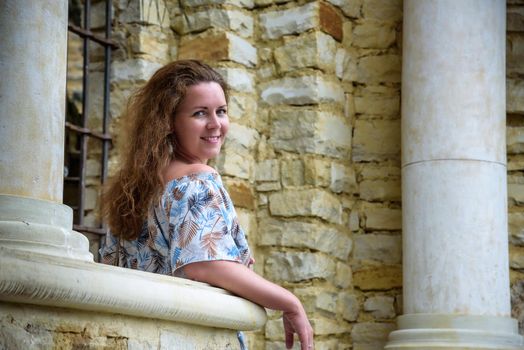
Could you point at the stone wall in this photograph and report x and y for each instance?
(515, 132)
(313, 156)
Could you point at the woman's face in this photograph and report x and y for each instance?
(201, 121)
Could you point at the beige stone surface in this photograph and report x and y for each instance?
(380, 306)
(310, 50)
(298, 266)
(24, 327)
(374, 34)
(379, 69)
(376, 140)
(385, 249)
(313, 202)
(378, 278)
(383, 219)
(320, 132)
(298, 234)
(370, 332)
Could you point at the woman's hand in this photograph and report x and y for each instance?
(297, 322)
(242, 281)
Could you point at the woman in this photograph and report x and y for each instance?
(167, 209)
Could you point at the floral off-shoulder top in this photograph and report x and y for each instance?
(195, 221)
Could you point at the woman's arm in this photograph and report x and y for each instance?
(243, 282)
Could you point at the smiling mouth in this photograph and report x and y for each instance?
(211, 138)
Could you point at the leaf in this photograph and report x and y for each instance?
(177, 195)
(224, 198)
(209, 242)
(187, 231)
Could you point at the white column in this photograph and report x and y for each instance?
(32, 110)
(455, 246)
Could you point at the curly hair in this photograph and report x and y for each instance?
(151, 145)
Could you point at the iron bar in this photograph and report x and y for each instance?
(85, 113)
(90, 35)
(85, 131)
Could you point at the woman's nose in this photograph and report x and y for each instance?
(213, 121)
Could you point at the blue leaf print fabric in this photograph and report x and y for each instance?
(195, 221)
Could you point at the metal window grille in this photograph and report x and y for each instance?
(77, 131)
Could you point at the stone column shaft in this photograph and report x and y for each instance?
(33, 63)
(32, 112)
(455, 246)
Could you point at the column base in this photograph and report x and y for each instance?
(436, 332)
(39, 226)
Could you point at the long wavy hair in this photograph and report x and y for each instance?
(150, 145)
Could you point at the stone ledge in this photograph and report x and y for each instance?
(68, 283)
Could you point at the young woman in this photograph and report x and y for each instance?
(168, 211)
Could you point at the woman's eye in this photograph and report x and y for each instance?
(199, 114)
(222, 111)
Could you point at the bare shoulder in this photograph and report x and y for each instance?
(176, 170)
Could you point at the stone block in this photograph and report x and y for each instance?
(310, 50)
(379, 69)
(380, 306)
(274, 329)
(349, 8)
(148, 12)
(343, 276)
(516, 193)
(348, 303)
(267, 170)
(248, 221)
(381, 190)
(239, 3)
(311, 202)
(136, 70)
(303, 90)
(370, 171)
(514, 53)
(376, 140)
(235, 161)
(293, 173)
(269, 186)
(241, 194)
(320, 132)
(238, 79)
(386, 249)
(383, 219)
(346, 64)
(343, 179)
(354, 221)
(515, 96)
(275, 24)
(516, 257)
(314, 299)
(317, 172)
(390, 10)
(242, 136)
(376, 104)
(516, 228)
(298, 266)
(149, 41)
(215, 18)
(515, 162)
(515, 19)
(218, 47)
(373, 34)
(367, 332)
(330, 21)
(378, 278)
(299, 234)
(325, 326)
(242, 109)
